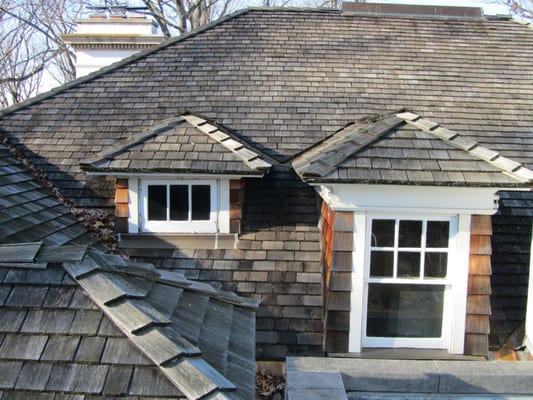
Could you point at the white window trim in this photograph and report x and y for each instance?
(528, 340)
(220, 207)
(454, 315)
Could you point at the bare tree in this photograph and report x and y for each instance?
(180, 16)
(521, 8)
(31, 44)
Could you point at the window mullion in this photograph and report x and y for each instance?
(396, 244)
(168, 202)
(189, 196)
(423, 249)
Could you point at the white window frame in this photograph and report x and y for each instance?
(418, 201)
(208, 226)
(454, 313)
(441, 342)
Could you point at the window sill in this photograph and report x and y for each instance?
(223, 241)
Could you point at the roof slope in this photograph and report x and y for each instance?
(62, 299)
(186, 144)
(283, 80)
(407, 149)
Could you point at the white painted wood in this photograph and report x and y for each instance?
(358, 272)
(414, 199)
(456, 284)
(138, 208)
(461, 243)
(133, 206)
(224, 206)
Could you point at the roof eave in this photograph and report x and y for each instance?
(91, 170)
(517, 186)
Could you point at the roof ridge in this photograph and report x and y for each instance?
(509, 167)
(313, 163)
(125, 61)
(245, 152)
(368, 118)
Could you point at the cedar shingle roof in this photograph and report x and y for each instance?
(407, 149)
(186, 144)
(283, 80)
(75, 320)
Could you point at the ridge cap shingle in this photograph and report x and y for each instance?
(343, 144)
(242, 150)
(176, 361)
(251, 158)
(508, 166)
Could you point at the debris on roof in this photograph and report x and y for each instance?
(76, 319)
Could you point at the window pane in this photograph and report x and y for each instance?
(381, 263)
(435, 265)
(404, 311)
(179, 203)
(410, 233)
(408, 265)
(157, 203)
(437, 234)
(201, 202)
(383, 233)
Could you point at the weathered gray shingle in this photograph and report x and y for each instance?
(187, 144)
(403, 155)
(34, 376)
(58, 330)
(22, 347)
(283, 80)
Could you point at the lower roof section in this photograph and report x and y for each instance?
(413, 379)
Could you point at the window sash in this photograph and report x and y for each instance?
(397, 252)
(204, 221)
(441, 284)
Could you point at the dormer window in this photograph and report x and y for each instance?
(179, 206)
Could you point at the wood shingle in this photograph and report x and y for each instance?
(60, 307)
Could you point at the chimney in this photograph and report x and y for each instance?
(110, 34)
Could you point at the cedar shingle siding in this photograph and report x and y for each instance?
(479, 291)
(337, 231)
